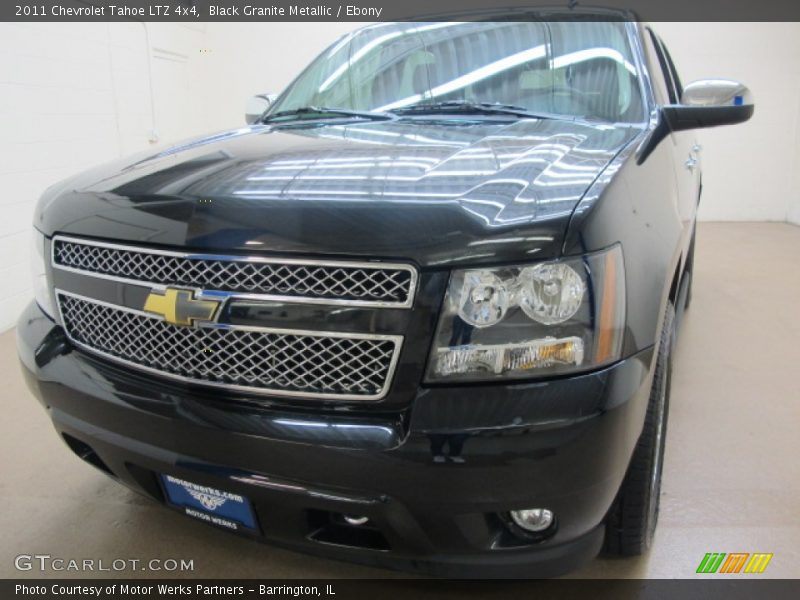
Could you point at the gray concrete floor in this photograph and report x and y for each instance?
(731, 478)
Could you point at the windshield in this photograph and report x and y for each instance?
(572, 69)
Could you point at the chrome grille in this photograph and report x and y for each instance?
(276, 362)
(356, 283)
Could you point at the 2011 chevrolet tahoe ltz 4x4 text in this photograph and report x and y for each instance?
(418, 313)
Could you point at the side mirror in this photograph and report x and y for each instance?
(711, 102)
(705, 103)
(257, 106)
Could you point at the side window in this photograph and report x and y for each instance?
(661, 83)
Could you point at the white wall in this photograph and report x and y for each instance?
(793, 215)
(750, 172)
(244, 59)
(74, 95)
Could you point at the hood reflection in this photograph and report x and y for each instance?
(433, 191)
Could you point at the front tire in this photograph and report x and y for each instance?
(632, 519)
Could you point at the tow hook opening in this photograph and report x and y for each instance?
(349, 530)
(86, 452)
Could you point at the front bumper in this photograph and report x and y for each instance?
(435, 479)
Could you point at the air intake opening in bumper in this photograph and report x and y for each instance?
(86, 452)
(334, 529)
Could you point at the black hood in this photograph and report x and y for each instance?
(436, 193)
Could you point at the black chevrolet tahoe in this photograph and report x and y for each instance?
(418, 313)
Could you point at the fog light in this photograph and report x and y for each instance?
(534, 520)
(355, 521)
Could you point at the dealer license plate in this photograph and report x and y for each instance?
(209, 504)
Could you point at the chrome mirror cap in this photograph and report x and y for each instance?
(256, 106)
(716, 92)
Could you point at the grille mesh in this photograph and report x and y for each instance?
(302, 364)
(302, 280)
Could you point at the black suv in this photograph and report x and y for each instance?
(418, 313)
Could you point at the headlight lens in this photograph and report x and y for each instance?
(531, 320)
(483, 300)
(550, 293)
(41, 291)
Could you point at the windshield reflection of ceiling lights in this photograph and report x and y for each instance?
(472, 77)
(573, 58)
(507, 63)
(370, 46)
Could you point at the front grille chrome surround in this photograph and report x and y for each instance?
(351, 283)
(259, 360)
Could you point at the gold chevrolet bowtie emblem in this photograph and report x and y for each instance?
(180, 307)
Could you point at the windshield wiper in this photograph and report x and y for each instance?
(478, 108)
(324, 112)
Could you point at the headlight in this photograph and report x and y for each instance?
(41, 291)
(483, 300)
(531, 320)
